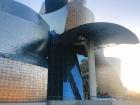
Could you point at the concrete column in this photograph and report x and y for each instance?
(92, 73)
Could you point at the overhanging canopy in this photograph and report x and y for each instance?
(100, 33)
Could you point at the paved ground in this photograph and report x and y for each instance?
(87, 102)
(22, 103)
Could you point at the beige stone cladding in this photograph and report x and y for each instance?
(78, 15)
(108, 78)
(109, 82)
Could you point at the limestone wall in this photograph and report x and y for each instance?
(78, 15)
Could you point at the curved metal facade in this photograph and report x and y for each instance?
(23, 63)
(20, 10)
(25, 53)
(22, 30)
(53, 5)
(59, 19)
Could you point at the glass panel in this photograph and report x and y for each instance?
(78, 79)
(67, 91)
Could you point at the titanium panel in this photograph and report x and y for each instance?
(22, 82)
(20, 10)
(22, 31)
(23, 47)
(53, 5)
(57, 19)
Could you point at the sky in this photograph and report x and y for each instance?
(123, 12)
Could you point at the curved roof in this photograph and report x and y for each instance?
(22, 31)
(100, 33)
(20, 10)
(53, 5)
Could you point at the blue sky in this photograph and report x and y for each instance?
(123, 12)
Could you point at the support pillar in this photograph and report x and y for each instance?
(92, 73)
